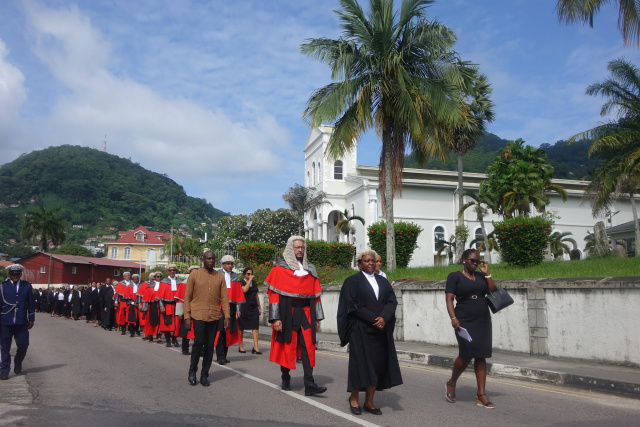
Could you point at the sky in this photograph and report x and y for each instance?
(211, 92)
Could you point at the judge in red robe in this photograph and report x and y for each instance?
(133, 314)
(166, 298)
(151, 306)
(122, 301)
(295, 312)
(181, 331)
(232, 335)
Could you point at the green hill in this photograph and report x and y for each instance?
(101, 192)
(568, 161)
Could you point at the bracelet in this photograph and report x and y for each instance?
(453, 318)
(487, 277)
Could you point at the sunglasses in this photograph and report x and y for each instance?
(475, 261)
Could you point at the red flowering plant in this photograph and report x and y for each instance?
(522, 241)
(322, 254)
(256, 253)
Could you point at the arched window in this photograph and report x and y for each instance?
(308, 178)
(353, 209)
(319, 173)
(478, 236)
(127, 253)
(337, 169)
(313, 168)
(151, 254)
(438, 234)
(114, 252)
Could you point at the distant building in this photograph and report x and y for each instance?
(139, 245)
(44, 269)
(625, 234)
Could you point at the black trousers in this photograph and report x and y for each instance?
(306, 363)
(221, 347)
(205, 335)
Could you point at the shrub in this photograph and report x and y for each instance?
(335, 254)
(406, 240)
(331, 274)
(256, 253)
(260, 272)
(522, 241)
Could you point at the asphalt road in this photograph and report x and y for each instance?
(78, 374)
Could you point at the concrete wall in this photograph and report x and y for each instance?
(593, 318)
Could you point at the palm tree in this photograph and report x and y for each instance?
(394, 72)
(590, 242)
(44, 225)
(447, 245)
(344, 225)
(302, 199)
(480, 202)
(583, 10)
(489, 243)
(558, 243)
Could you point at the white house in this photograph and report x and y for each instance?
(429, 199)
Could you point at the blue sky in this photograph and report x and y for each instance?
(211, 92)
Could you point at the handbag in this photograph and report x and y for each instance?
(499, 300)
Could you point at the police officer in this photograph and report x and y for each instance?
(17, 314)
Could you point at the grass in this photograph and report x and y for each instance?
(592, 267)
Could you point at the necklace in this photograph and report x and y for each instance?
(468, 276)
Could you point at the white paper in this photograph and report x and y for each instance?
(464, 334)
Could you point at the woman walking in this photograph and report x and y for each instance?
(250, 317)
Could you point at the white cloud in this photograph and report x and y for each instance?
(12, 90)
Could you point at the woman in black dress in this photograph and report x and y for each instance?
(250, 316)
(366, 319)
(471, 312)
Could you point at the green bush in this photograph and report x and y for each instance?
(522, 241)
(334, 254)
(256, 253)
(406, 240)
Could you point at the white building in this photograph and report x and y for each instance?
(429, 199)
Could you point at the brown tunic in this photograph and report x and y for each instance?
(206, 293)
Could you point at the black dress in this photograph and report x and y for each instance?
(472, 311)
(250, 317)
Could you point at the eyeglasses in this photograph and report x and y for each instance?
(474, 261)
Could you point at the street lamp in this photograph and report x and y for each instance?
(610, 215)
(140, 250)
(249, 223)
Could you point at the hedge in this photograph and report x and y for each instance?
(335, 254)
(406, 240)
(522, 241)
(256, 253)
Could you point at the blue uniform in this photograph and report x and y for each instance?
(17, 309)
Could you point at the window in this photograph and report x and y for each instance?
(479, 239)
(43, 269)
(116, 273)
(337, 170)
(114, 253)
(313, 169)
(127, 253)
(438, 234)
(74, 270)
(308, 178)
(319, 173)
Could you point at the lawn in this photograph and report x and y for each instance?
(592, 267)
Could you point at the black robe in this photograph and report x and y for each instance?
(108, 315)
(76, 303)
(87, 298)
(357, 311)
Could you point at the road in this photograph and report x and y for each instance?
(78, 374)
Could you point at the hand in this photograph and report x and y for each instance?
(227, 322)
(484, 267)
(317, 325)
(29, 325)
(187, 324)
(379, 323)
(277, 326)
(162, 309)
(456, 324)
(238, 314)
(105, 309)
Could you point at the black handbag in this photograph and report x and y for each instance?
(499, 300)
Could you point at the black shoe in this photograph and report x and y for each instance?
(168, 343)
(298, 360)
(242, 351)
(4, 375)
(17, 368)
(123, 332)
(186, 352)
(192, 378)
(312, 390)
(355, 410)
(222, 362)
(137, 332)
(374, 411)
(132, 335)
(254, 351)
(174, 341)
(286, 385)
(204, 381)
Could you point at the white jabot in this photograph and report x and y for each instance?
(69, 297)
(157, 286)
(301, 271)
(382, 273)
(227, 278)
(135, 288)
(127, 282)
(79, 294)
(372, 281)
(174, 284)
(60, 296)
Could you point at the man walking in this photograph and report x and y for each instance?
(204, 299)
(17, 314)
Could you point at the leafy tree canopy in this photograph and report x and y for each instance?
(73, 249)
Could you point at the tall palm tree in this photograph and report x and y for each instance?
(481, 204)
(45, 225)
(559, 243)
(395, 72)
(448, 246)
(302, 199)
(344, 225)
(590, 242)
(584, 10)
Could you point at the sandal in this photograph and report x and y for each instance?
(486, 404)
(451, 397)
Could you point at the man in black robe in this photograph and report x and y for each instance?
(108, 306)
(87, 297)
(76, 303)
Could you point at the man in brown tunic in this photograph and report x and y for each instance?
(205, 295)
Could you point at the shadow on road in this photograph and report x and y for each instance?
(44, 368)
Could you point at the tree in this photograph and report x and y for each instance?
(44, 225)
(344, 225)
(518, 178)
(481, 204)
(558, 243)
(183, 246)
(395, 72)
(268, 226)
(73, 249)
(570, 11)
(590, 243)
(302, 199)
(448, 246)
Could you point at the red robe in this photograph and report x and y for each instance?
(180, 300)
(167, 296)
(142, 315)
(236, 296)
(281, 281)
(133, 313)
(153, 312)
(122, 294)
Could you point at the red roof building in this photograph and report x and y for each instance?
(139, 245)
(52, 270)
